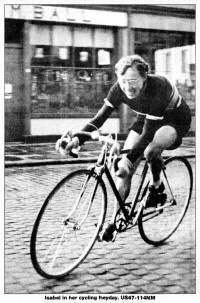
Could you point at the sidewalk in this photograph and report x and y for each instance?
(20, 154)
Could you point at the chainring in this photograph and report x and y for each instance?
(121, 223)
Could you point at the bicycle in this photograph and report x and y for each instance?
(72, 216)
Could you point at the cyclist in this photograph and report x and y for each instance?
(162, 119)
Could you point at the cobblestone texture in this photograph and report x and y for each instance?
(128, 265)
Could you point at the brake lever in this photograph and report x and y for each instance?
(74, 152)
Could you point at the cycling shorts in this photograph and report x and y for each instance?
(180, 119)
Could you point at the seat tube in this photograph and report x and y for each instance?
(143, 175)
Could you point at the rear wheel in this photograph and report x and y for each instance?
(157, 224)
(68, 224)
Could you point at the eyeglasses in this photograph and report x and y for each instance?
(129, 81)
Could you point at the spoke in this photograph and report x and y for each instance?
(159, 223)
(91, 198)
(57, 249)
(52, 243)
(80, 196)
(168, 184)
(66, 228)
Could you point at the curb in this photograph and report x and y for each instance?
(49, 162)
(65, 161)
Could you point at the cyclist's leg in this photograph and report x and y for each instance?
(123, 182)
(164, 138)
(126, 171)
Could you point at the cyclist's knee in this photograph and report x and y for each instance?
(152, 152)
(124, 168)
(123, 185)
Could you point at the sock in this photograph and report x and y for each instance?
(156, 184)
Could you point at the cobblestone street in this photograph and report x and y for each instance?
(128, 265)
(100, 152)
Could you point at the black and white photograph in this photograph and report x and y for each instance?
(99, 151)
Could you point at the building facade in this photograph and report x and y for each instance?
(59, 60)
(178, 64)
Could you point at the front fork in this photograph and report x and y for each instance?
(71, 220)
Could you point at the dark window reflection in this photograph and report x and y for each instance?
(83, 57)
(13, 31)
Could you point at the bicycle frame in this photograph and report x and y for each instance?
(57, 250)
(102, 167)
(117, 195)
(116, 192)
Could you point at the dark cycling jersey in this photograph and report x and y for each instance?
(152, 101)
(159, 103)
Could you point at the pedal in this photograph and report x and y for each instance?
(174, 202)
(99, 238)
(162, 199)
(114, 236)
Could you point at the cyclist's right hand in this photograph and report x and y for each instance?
(67, 143)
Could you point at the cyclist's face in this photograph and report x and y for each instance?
(131, 82)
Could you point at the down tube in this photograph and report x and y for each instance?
(117, 195)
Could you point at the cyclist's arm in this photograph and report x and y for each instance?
(98, 120)
(145, 136)
(138, 124)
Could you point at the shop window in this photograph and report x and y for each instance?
(50, 55)
(82, 37)
(183, 60)
(71, 70)
(192, 71)
(176, 40)
(83, 57)
(13, 31)
(40, 34)
(159, 39)
(103, 38)
(103, 57)
(41, 55)
(191, 38)
(83, 64)
(144, 36)
(168, 62)
(61, 35)
(62, 56)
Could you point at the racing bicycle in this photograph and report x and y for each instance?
(72, 216)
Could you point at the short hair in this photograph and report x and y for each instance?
(134, 60)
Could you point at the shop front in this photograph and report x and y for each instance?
(64, 60)
(68, 56)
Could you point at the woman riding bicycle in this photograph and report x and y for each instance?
(163, 118)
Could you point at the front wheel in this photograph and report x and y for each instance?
(68, 224)
(157, 224)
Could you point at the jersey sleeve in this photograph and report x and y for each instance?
(164, 92)
(138, 124)
(114, 98)
(173, 97)
(97, 121)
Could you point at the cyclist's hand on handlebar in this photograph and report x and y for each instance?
(67, 143)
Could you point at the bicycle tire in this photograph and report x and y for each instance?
(77, 239)
(156, 227)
